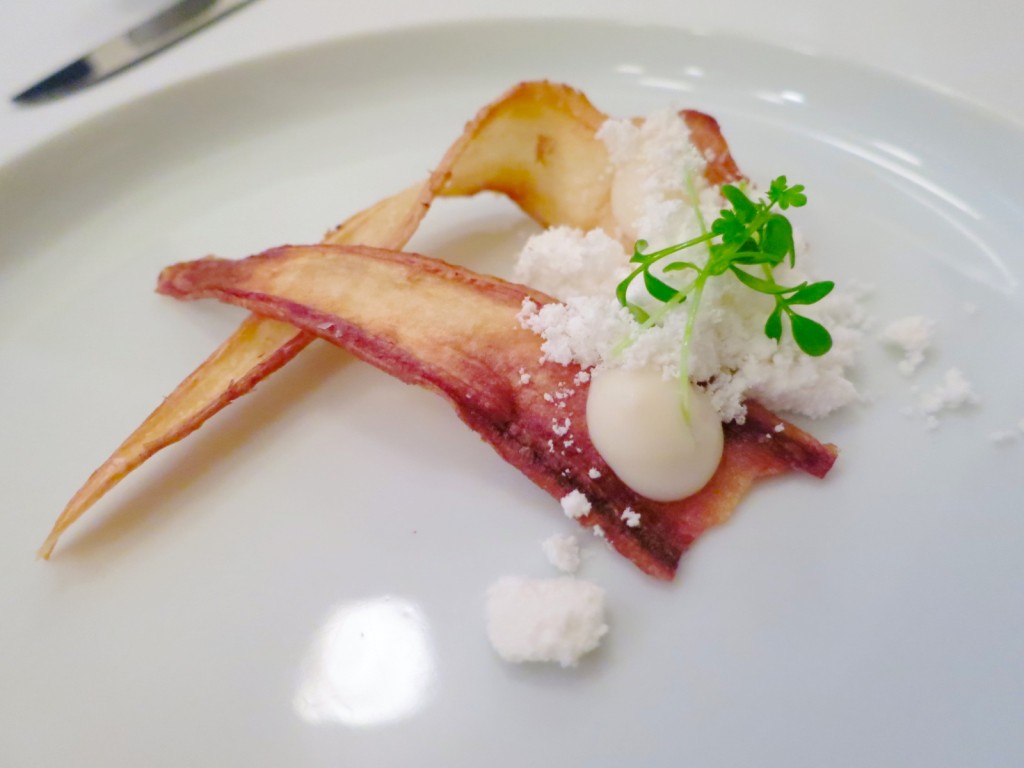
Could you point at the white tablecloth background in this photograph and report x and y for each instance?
(974, 49)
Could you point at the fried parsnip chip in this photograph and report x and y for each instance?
(535, 144)
(467, 345)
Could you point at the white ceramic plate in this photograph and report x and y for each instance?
(301, 583)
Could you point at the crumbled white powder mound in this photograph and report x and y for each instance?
(913, 336)
(565, 262)
(954, 391)
(563, 552)
(558, 619)
(593, 474)
(575, 504)
(729, 355)
(631, 516)
(729, 351)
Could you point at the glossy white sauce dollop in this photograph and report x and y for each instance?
(636, 422)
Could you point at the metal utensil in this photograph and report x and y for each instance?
(163, 30)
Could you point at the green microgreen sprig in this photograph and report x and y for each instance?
(748, 234)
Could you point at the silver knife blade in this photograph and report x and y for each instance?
(163, 30)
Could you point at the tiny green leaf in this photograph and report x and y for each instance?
(809, 335)
(744, 207)
(813, 293)
(778, 237)
(677, 266)
(638, 252)
(762, 286)
(784, 195)
(730, 228)
(773, 326)
(660, 290)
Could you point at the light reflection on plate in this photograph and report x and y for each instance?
(371, 663)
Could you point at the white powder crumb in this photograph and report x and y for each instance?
(780, 427)
(563, 552)
(581, 378)
(970, 308)
(575, 504)
(651, 163)
(548, 397)
(913, 335)
(561, 429)
(954, 391)
(599, 532)
(631, 517)
(1004, 436)
(565, 262)
(551, 446)
(568, 443)
(559, 619)
(593, 474)
(524, 377)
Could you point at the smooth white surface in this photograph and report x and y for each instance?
(873, 619)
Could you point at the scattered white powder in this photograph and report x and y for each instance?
(913, 335)
(954, 391)
(780, 427)
(575, 504)
(557, 619)
(593, 474)
(524, 377)
(599, 532)
(631, 517)
(561, 429)
(563, 552)
(730, 355)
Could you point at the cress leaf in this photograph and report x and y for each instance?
(762, 286)
(660, 290)
(773, 326)
(752, 257)
(677, 266)
(778, 237)
(810, 336)
(745, 209)
(813, 293)
(638, 252)
(784, 195)
(730, 228)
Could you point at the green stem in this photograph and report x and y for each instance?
(684, 358)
